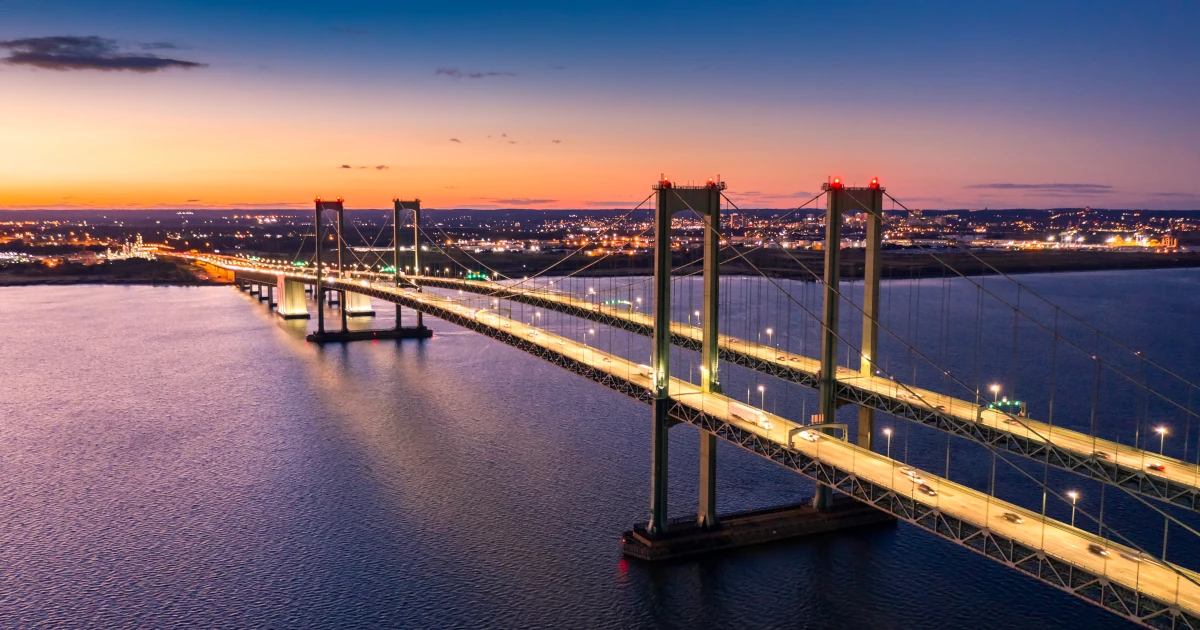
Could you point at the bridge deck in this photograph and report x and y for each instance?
(1134, 585)
(1073, 450)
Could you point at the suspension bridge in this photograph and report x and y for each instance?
(1088, 558)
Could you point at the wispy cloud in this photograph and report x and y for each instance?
(456, 140)
(381, 167)
(1081, 189)
(456, 74)
(523, 201)
(556, 141)
(1175, 195)
(69, 52)
(192, 201)
(624, 203)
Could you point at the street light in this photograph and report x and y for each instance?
(1162, 438)
(888, 433)
(995, 393)
(770, 331)
(1074, 497)
(763, 390)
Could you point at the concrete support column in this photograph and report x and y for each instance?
(291, 299)
(872, 270)
(661, 360)
(709, 381)
(270, 296)
(829, 339)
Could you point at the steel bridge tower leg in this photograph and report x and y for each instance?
(417, 252)
(709, 381)
(341, 270)
(872, 270)
(661, 361)
(319, 287)
(829, 339)
(396, 252)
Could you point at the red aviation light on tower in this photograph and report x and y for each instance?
(836, 184)
(318, 199)
(874, 182)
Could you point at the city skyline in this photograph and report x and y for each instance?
(226, 105)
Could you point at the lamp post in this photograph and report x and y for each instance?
(888, 433)
(770, 331)
(763, 390)
(1074, 497)
(1162, 438)
(995, 393)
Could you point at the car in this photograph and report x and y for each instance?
(908, 470)
(604, 359)
(810, 436)
(925, 489)
(1098, 550)
(1013, 518)
(1155, 466)
(763, 423)
(781, 358)
(1140, 557)
(940, 407)
(1009, 421)
(794, 360)
(1099, 454)
(915, 478)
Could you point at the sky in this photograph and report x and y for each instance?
(252, 105)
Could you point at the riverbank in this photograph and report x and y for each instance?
(124, 272)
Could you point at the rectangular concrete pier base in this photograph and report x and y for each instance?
(332, 336)
(744, 529)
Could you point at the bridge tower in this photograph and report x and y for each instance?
(322, 206)
(415, 206)
(706, 201)
(841, 199)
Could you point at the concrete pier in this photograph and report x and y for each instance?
(686, 537)
(291, 303)
(338, 336)
(358, 305)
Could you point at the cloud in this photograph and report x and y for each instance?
(559, 68)
(1080, 189)
(346, 166)
(503, 135)
(762, 195)
(556, 141)
(512, 141)
(456, 140)
(610, 204)
(68, 52)
(456, 74)
(192, 201)
(381, 167)
(1175, 195)
(523, 201)
(159, 46)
